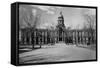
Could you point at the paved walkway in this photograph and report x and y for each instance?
(59, 52)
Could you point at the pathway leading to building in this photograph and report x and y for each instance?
(58, 52)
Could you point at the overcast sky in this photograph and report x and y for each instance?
(48, 16)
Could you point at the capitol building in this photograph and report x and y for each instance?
(34, 36)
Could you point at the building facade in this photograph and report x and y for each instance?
(33, 36)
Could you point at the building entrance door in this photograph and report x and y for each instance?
(60, 38)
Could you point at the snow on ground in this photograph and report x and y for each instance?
(57, 52)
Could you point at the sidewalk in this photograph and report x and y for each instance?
(58, 52)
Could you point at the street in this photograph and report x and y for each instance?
(57, 52)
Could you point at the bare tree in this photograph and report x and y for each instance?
(90, 20)
(28, 18)
(37, 20)
(90, 25)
